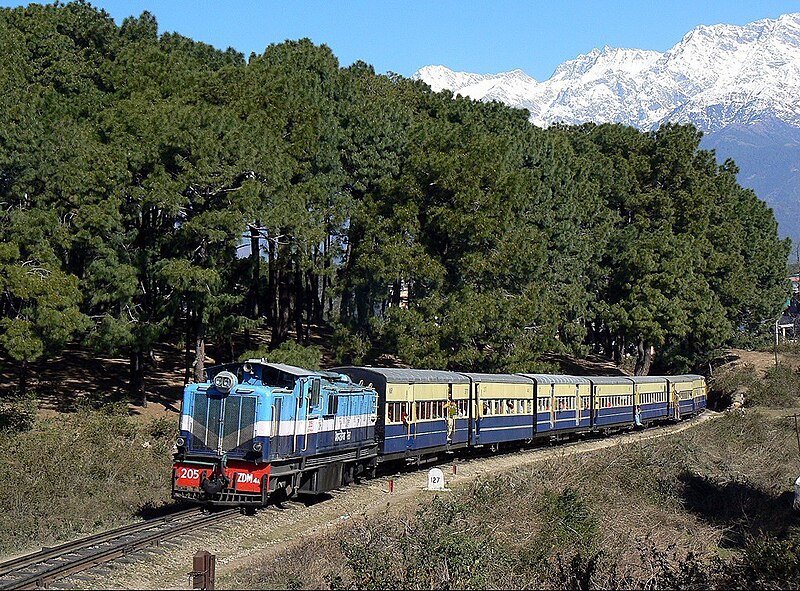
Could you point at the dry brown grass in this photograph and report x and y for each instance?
(661, 513)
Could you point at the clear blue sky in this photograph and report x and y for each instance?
(466, 35)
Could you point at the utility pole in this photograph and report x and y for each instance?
(776, 339)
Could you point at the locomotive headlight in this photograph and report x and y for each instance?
(258, 446)
(180, 442)
(224, 381)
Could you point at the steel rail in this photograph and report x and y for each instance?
(79, 544)
(74, 565)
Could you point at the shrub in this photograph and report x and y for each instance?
(765, 563)
(18, 415)
(162, 428)
(76, 473)
(780, 388)
(289, 352)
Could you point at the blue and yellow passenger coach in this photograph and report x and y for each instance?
(419, 410)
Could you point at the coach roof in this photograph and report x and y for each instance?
(292, 370)
(551, 378)
(648, 379)
(397, 375)
(689, 377)
(498, 378)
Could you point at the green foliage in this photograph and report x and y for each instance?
(444, 232)
(348, 347)
(17, 415)
(289, 352)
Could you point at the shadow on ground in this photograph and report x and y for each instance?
(741, 509)
(80, 376)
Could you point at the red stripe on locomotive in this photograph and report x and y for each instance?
(246, 476)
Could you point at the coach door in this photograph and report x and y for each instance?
(411, 422)
(342, 430)
(277, 446)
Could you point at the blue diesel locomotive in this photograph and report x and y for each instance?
(257, 432)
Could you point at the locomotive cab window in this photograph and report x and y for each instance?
(316, 386)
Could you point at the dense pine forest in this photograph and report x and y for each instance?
(155, 189)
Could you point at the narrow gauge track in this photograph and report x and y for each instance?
(38, 569)
(51, 564)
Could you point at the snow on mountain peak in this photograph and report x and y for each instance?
(755, 67)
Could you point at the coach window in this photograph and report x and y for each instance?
(394, 412)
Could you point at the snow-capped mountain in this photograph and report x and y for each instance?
(740, 85)
(715, 76)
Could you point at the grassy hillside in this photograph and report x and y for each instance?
(73, 474)
(709, 508)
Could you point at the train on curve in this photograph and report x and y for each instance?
(260, 432)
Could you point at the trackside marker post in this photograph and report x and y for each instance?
(203, 573)
(391, 486)
(436, 480)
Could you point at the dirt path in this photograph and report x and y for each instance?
(760, 360)
(249, 540)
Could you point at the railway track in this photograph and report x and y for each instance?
(38, 569)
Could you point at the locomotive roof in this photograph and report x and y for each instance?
(498, 378)
(289, 369)
(397, 375)
(552, 378)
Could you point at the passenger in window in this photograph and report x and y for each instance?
(390, 413)
(509, 406)
(404, 417)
